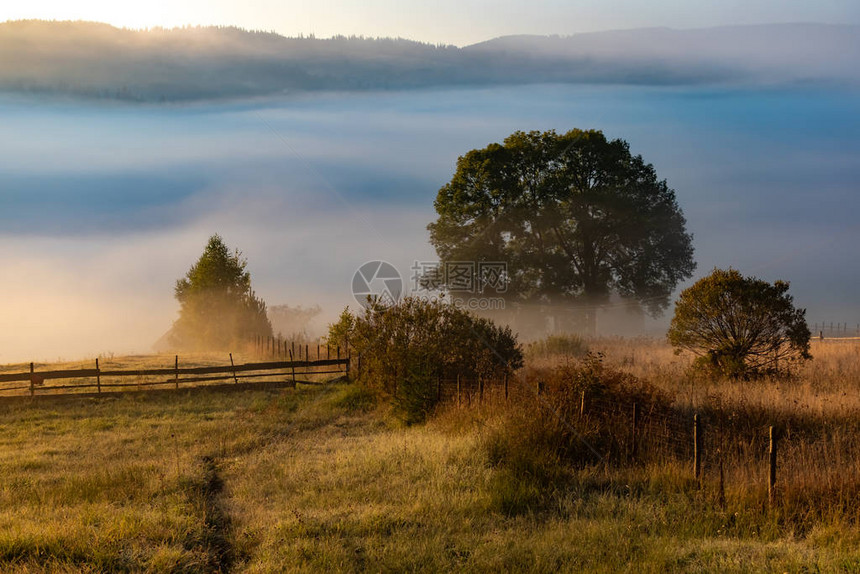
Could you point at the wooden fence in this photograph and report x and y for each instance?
(277, 347)
(100, 380)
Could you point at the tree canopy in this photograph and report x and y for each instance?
(218, 308)
(575, 217)
(740, 326)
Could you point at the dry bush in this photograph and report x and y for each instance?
(553, 428)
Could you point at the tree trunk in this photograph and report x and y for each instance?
(591, 321)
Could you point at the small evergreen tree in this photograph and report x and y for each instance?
(219, 310)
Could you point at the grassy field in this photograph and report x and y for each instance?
(323, 479)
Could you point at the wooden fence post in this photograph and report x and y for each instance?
(98, 376)
(697, 448)
(235, 378)
(634, 450)
(176, 372)
(771, 476)
(32, 380)
(582, 404)
(506, 385)
(293, 366)
(721, 496)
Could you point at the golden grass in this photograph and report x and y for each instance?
(828, 385)
(320, 479)
(816, 416)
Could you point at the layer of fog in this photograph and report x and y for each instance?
(102, 208)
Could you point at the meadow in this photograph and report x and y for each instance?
(326, 478)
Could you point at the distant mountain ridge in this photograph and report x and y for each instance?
(98, 60)
(775, 53)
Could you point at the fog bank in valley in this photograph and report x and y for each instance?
(105, 205)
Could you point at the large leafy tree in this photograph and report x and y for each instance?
(218, 308)
(740, 326)
(575, 216)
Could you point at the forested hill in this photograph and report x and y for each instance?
(98, 60)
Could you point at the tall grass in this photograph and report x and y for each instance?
(815, 415)
(325, 479)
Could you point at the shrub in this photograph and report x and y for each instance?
(553, 429)
(740, 327)
(404, 349)
(609, 398)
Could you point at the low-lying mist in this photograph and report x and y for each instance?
(103, 207)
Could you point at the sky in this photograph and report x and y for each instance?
(105, 205)
(457, 22)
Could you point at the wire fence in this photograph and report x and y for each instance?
(834, 330)
(776, 461)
